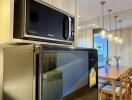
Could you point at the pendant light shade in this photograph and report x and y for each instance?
(116, 38)
(103, 32)
(120, 40)
(110, 35)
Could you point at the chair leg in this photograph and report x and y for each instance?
(100, 97)
(121, 97)
(107, 96)
(130, 91)
(126, 96)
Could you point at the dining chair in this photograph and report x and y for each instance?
(130, 79)
(120, 91)
(117, 83)
(101, 84)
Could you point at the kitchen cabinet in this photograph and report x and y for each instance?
(48, 1)
(17, 68)
(68, 6)
(59, 4)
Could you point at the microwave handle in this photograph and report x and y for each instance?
(70, 32)
(66, 35)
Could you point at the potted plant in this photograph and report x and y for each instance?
(117, 58)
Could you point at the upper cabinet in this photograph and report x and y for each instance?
(59, 4)
(68, 6)
(48, 1)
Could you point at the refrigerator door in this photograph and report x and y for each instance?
(52, 85)
(74, 63)
(19, 73)
(93, 68)
(93, 75)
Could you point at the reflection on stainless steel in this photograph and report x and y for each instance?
(1, 73)
(52, 85)
(18, 73)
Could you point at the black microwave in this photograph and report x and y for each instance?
(35, 20)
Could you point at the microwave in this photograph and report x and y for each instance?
(35, 20)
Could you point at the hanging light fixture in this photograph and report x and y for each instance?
(103, 31)
(116, 39)
(120, 38)
(110, 35)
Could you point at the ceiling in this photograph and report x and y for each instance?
(91, 9)
(125, 16)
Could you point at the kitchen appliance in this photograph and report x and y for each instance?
(47, 72)
(35, 20)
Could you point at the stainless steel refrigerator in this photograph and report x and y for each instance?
(46, 72)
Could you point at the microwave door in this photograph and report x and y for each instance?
(37, 19)
(55, 24)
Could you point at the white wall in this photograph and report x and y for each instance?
(85, 38)
(124, 50)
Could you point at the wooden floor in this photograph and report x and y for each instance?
(83, 94)
(87, 97)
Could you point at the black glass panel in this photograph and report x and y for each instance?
(45, 21)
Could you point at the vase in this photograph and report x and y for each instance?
(117, 64)
(106, 67)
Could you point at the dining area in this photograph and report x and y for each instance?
(115, 83)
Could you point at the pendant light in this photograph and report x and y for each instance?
(120, 38)
(103, 31)
(110, 35)
(116, 36)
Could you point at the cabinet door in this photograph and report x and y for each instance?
(48, 1)
(59, 4)
(19, 72)
(70, 6)
(65, 5)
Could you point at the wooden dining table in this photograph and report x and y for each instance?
(112, 75)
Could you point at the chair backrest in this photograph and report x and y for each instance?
(130, 72)
(130, 75)
(124, 83)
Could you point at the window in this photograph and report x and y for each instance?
(101, 44)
